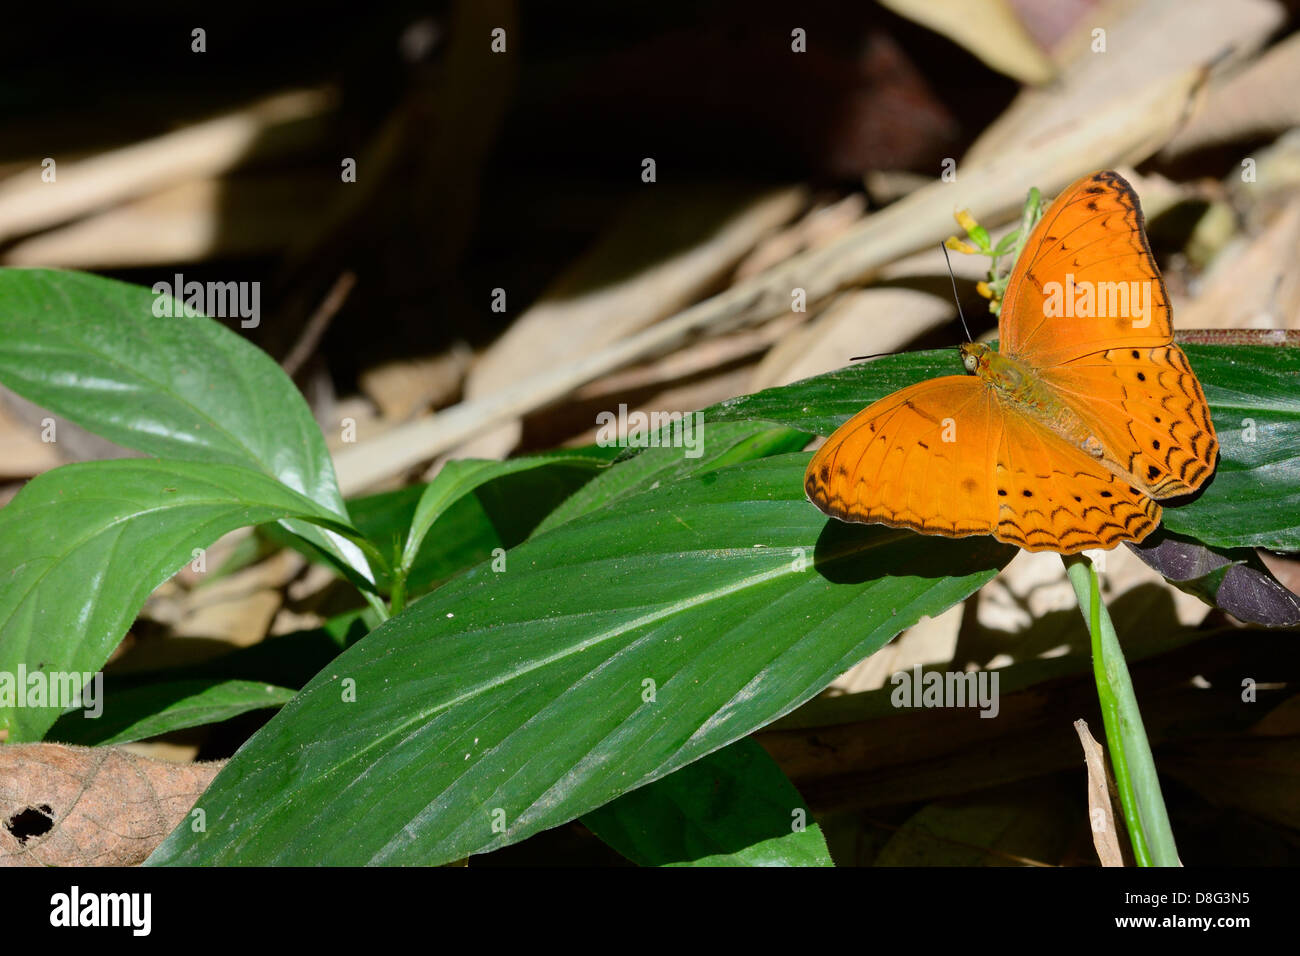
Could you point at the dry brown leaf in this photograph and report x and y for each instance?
(404, 387)
(890, 185)
(1257, 774)
(1253, 284)
(1145, 43)
(189, 222)
(22, 453)
(1282, 721)
(71, 441)
(709, 354)
(209, 148)
(1101, 811)
(1285, 569)
(990, 29)
(1031, 610)
(90, 806)
(1277, 177)
(682, 396)
(1257, 101)
(862, 322)
(930, 641)
(669, 248)
(1025, 824)
(819, 226)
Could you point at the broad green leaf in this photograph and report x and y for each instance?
(82, 546)
(93, 350)
(459, 478)
(518, 698)
(726, 443)
(733, 808)
(160, 708)
(1253, 500)
(499, 513)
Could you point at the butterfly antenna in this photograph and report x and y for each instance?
(955, 297)
(859, 358)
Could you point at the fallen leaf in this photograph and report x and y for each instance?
(988, 28)
(1257, 101)
(90, 806)
(1118, 53)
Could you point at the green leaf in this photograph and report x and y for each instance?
(732, 808)
(82, 546)
(459, 478)
(517, 697)
(93, 350)
(154, 709)
(1253, 500)
(499, 513)
(727, 443)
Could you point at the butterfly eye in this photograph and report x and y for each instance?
(970, 362)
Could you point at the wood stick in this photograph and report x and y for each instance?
(27, 204)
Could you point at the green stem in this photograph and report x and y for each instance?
(397, 596)
(1126, 740)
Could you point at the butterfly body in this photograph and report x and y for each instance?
(1061, 440)
(1018, 384)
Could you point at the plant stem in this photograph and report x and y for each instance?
(397, 596)
(1126, 740)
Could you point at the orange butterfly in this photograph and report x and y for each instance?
(1060, 440)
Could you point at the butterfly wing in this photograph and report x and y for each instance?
(951, 457)
(1148, 410)
(1091, 238)
(1054, 497)
(890, 463)
(1119, 372)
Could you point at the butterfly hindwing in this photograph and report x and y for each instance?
(1054, 497)
(1147, 408)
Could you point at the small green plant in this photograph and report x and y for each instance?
(559, 636)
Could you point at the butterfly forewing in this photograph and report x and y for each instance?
(919, 458)
(1086, 280)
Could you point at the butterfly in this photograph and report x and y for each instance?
(1062, 439)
